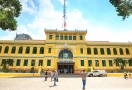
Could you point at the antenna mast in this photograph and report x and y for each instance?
(64, 16)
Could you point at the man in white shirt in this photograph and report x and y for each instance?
(83, 75)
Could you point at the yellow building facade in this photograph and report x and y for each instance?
(64, 50)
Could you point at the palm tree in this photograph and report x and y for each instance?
(130, 62)
(6, 63)
(121, 62)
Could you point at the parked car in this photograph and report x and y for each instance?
(99, 73)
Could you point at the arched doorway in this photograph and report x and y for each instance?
(65, 61)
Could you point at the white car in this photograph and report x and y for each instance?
(99, 73)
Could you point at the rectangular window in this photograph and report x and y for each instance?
(103, 63)
(96, 63)
(61, 37)
(70, 37)
(89, 63)
(40, 63)
(57, 37)
(49, 50)
(50, 37)
(18, 62)
(110, 63)
(25, 62)
(81, 38)
(33, 63)
(66, 37)
(81, 50)
(74, 37)
(48, 62)
(82, 62)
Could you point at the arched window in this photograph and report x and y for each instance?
(13, 49)
(0, 49)
(27, 50)
(108, 51)
(88, 51)
(20, 50)
(6, 49)
(102, 51)
(121, 51)
(34, 50)
(114, 51)
(127, 51)
(42, 50)
(65, 54)
(95, 51)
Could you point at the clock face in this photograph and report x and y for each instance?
(65, 55)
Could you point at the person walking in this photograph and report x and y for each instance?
(55, 75)
(52, 73)
(83, 75)
(125, 75)
(46, 75)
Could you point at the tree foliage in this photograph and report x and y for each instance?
(123, 7)
(121, 62)
(6, 63)
(9, 11)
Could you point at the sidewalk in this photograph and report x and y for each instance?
(93, 83)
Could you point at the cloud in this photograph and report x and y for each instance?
(28, 6)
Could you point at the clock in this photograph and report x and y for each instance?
(65, 55)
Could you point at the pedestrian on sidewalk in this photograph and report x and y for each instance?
(125, 75)
(55, 77)
(46, 75)
(52, 73)
(83, 75)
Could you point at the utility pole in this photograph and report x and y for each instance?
(64, 16)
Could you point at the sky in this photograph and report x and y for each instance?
(99, 17)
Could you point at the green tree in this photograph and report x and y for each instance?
(121, 62)
(123, 7)
(9, 11)
(130, 61)
(6, 63)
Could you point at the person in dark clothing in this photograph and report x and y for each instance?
(46, 75)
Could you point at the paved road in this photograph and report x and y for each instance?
(93, 83)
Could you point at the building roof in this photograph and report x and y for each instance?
(23, 37)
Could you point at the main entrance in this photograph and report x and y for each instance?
(65, 62)
(66, 67)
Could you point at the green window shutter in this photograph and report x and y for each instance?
(66, 37)
(18, 62)
(81, 38)
(26, 62)
(114, 51)
(108, 51)
(57, 37)
(0, 49)
(82, 62)
(20, 50)
(27, 50)
(88, 51)
(127, 51)
(89, 63)
(102, 51)
(74, 37)
(50, 37)
(81, 50)
(13, 50)
(6, 49)
(110, 63)
(48, 62)
(61, 37)
(103, 63)
(33, 63)
(40, 63)
(70, 37)
(49, 50)
(95, 51)
(42, 50)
